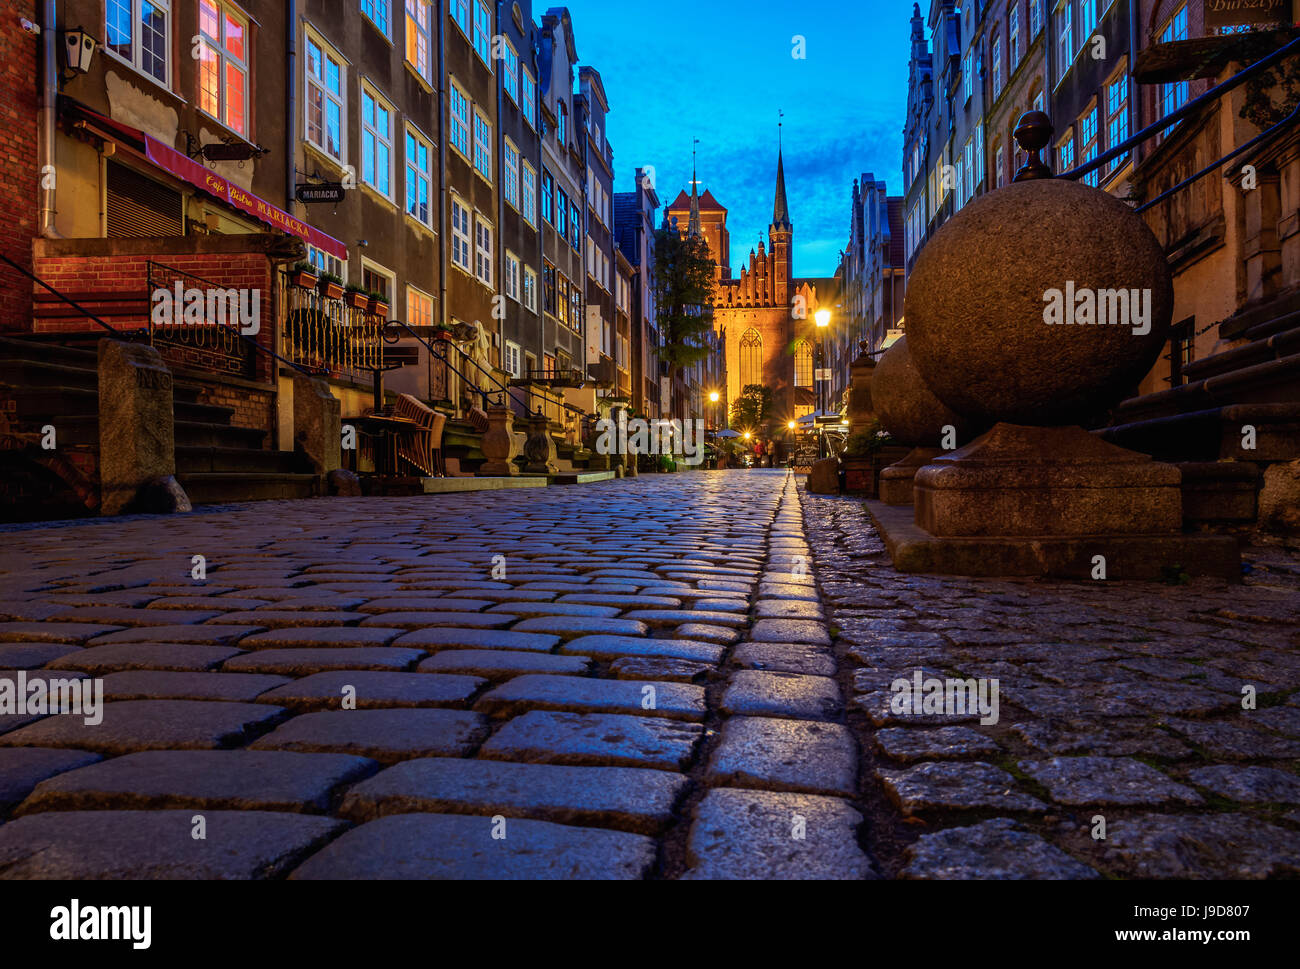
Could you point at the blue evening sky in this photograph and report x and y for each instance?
(719, 71)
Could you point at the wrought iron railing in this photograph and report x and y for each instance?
(203, 325)
(328, 336)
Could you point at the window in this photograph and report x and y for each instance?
(1088, 141)
(223, 65)
(419, 37)
(378, 13)
(1087, 20)
(483, 251)
(459, 120)
(512, 275)
(575, 307)
(326, 263)
(512, 362)
(1013, 35)
(460, 13)
(751, 359)
(483, 145)
(138, 31)
(967, 77)
(561, 297)
(529, 95)
(326, 110)
(530, 288)
(575, 227)
(419, 307)
(1117, 116)
(803, 364)
(1065, 150)
(997, 162)
(529, 180)
(1065, 41)
(548, 287)
(419, 177)
(1035, 18)
(376, 143)
(996, 57)
(510, 161)
(460, 236)
(562, 213)
(1174, 96)
(548, 197)
(562, 127)
(483, 31)
(377, 280)
(510, 70)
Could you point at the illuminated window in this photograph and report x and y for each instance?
(223, 65)
(751, 358)
(803, 364)
(419, 37)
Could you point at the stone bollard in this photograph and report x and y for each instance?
(499, 443)
(317, 425)
(137, 444)
(539, 449)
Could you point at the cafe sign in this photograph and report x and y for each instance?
(331, 192)
(1240, 13)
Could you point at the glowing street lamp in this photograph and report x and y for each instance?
(714, 396)
(790, 425)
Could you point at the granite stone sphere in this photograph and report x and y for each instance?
(905, 406)
(984, 288)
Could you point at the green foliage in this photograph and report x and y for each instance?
(327, 278)
(684, 288)
(753, 408)
(1272, 95)
(866, 442)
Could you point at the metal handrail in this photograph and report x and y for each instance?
(434, 353)
(1191, 107)
(71, 302)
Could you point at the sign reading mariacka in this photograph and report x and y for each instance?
(320, 192)
(1238, 13)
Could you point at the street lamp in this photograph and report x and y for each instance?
(714, 397)
(823, 320)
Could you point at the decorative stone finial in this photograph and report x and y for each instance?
(1033, 133)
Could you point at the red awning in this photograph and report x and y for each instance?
(177, 164)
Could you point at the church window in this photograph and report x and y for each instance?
(803, 364)
(751, 358)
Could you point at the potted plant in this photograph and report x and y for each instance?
(859, 458)
(379, 304)
(304, 275)
(357, 298)
(330, 286)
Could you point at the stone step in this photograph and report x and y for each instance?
(219, 488)
(1216, 433)
(198, 460)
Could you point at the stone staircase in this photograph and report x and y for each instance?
(47, 384)
(1236, 415)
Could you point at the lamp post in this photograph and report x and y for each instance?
(823, 319)
(714, 397)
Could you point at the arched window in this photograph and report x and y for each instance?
(751, 358)
(803, 364)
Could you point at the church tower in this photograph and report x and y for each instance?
(781, 234)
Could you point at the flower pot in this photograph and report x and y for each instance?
(358, 301)
(331, 290)
(304, 279)
(379, 308)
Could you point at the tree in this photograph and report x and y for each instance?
(753, 407)
(684, 289)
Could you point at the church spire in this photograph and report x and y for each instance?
(780, 210)
(693, 229)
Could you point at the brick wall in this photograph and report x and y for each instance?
(18, 135)
(253, 408)
(110, 277)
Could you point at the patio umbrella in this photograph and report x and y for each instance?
(728, 433)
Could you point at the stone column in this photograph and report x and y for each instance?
(499, 443)
(137, 444)
(861, 408)
(539, 449)
(317, 426)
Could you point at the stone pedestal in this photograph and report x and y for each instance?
(824, 478)
(861, 408)
(1025, 500)
(137, 446)
(317, 427)
(896, 480)
(498, 444)
(539, 449)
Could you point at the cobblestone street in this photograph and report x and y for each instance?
(677, 676)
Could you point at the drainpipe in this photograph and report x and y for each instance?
(291, 106)
(1134, 105)
(48, 107)
(442, 174)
